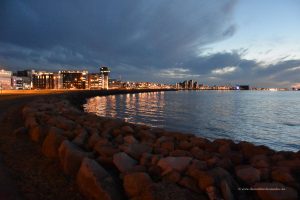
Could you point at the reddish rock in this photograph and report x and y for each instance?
(226, 190)
(119, 139)
(71, 157)
(198, 165)
(136, 150)
(224, 149)
(135, 183)
(146, 136)
(95, 183)
(198, 153)
(62, 122)
(167, 145)
(282, 175)
(129, 139)
(30, 122)
(115, 132)
(172, 176)
(212, 161)
(221, 174)
(291, 164)
(123, 162)
(199, 142)
(275, 191)
(205, 180)
(174, 163)
(38, 133)
(106, 150)
(145, 159)
(112, 123)
(212, 193)
(189, 183)
(260, 161)
(105, 161)
(82, 138)
(236, 157)
(185, 145)
(248, 174)
(93, 140)
(127, 130)
(155, 159)
(52, 142)
(180, 153)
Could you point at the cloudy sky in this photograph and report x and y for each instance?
(253, 42)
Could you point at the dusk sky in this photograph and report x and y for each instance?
(254, 42)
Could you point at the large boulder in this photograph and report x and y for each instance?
(30, 122)
(62, 122)
(71, 157)
(82, 138)
(275, 191)
(95, 183)
(174, 163)
(136, 150)
(52, 142)
(124, 162)
(248, 174)
(38, 133)
(135, 183)
(106, 150)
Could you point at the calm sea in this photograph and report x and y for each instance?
(268, 118)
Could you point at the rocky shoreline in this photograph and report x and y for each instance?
(112, 159)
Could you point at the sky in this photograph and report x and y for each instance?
(214, 42)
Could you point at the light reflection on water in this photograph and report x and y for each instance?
(269, 118)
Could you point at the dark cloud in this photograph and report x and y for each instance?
(139, 39)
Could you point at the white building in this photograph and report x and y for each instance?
(5, 79)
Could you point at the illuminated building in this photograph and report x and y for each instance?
(5, 79)
(26, 76)
(43, 80)
(95, 81)
(74, 79)
(17, 83)
(104, 71)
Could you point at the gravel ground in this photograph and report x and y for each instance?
(25, 172)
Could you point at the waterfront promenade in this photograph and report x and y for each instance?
(56, 151)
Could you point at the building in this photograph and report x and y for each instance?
(26, 76)
(72, 79)
(17, 83)
(5, 79)
(94, 81)
(43, 80)
(104, 72)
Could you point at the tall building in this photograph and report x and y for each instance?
(5, 79)
(43, 80)
(190, 84)
(104, 72)
(74, 79)
(94, 81)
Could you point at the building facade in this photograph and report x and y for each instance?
(43, 80)
(104, 72)
(74, 79)
(5, 79)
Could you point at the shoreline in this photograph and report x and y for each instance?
(127, 156)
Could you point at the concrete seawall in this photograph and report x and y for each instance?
(112, 159)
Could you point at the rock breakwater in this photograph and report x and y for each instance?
(112, 159)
